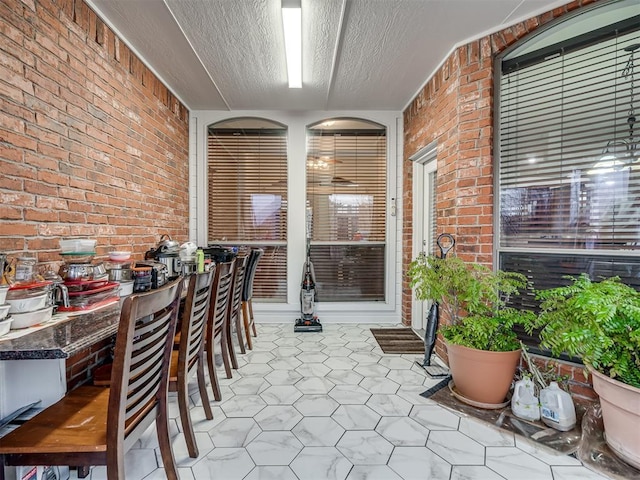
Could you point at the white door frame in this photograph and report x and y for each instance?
(424, 162)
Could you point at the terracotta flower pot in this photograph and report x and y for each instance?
(480, 375)
(621, 416)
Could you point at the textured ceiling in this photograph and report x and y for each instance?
(357, 54)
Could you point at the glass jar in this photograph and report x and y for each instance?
(25, 269)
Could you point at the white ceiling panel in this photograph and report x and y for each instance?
(357, 54)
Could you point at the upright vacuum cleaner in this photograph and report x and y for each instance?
(445, 243)
(308, 321)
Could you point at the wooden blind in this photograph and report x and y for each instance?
(569, 170)
(346, 193)
(247, 179)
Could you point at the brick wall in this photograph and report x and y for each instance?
(80, 366)
(455, 108)
(91, 142)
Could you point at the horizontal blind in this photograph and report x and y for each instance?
(247, 180)
(346, 193)
(568, 163)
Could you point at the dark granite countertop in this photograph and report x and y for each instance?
(63, 339)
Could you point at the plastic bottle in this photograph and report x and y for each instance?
(524, 403)
(200, 260)
(556, 408)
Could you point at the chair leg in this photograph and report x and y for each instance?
(251, 320)
(202, 386)
(239, 331)
(83, 472)
(162, 429)
(247, 330)
(185, 417)
(224, 350)
(231, 351)
(211, 366)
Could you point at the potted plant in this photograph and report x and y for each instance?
(482, 348)
(600, 323)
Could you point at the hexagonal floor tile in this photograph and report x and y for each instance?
(249, 386)
(318, 432)
(403, 431)
(315, 385)
(372, 370)
(286, 352)
(316, 405)
(379, 385)
(349, 394)
(406, 377)
(289, 363)
(395, 363)
(313, 370)
(356, 417)
(234, 432)
(389, 405)
(334, 341)
(340, 363)
(271, 473)
(416, 463)
(180, 452)
(227, 463)
(511, 462)
(287, 341)
(456, 448)
(283, 377)
(281, 395)
(336, 351)
(489, 435)
(278, 417)
(365, 357)
(255, 370)
(321, 462)
(258, 357)
(365, 448)
(411, 393)
(312, 357)
(274, 448)
(434, 417)
(344, 377)
(359, 346)
(373, 472)
(466, 472)
(243, 406)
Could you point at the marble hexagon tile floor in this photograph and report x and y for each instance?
(331, 405)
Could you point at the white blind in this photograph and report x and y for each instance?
(248, 200)
(569, 171)
(346, 192)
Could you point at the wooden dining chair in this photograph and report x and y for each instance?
(190, 353)
(235, 307)
(97, 426)
(247, 295)
(217, 323)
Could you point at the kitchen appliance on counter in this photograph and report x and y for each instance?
(119, 271)
(218, 253)
(168, 253)
(159, 272)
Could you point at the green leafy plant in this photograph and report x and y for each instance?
(597, 321)
(475, 300)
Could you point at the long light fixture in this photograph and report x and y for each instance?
(292, 24)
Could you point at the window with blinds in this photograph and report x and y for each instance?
(568, 156)
(247, 185)
(346, 201)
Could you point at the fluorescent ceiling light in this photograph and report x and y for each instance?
(292, 23)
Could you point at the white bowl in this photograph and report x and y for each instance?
(28, 319)
(3, 293)
(4, 311)
(78, 245)
(126, 288)
(119, 256)
(5, 325)
(28, 303)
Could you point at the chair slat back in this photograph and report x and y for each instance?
(250, 274)
(237, 284)
(220, 296)
(194, 318)
(141, 361)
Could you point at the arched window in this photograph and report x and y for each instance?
(346, 204)
(247, 195)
